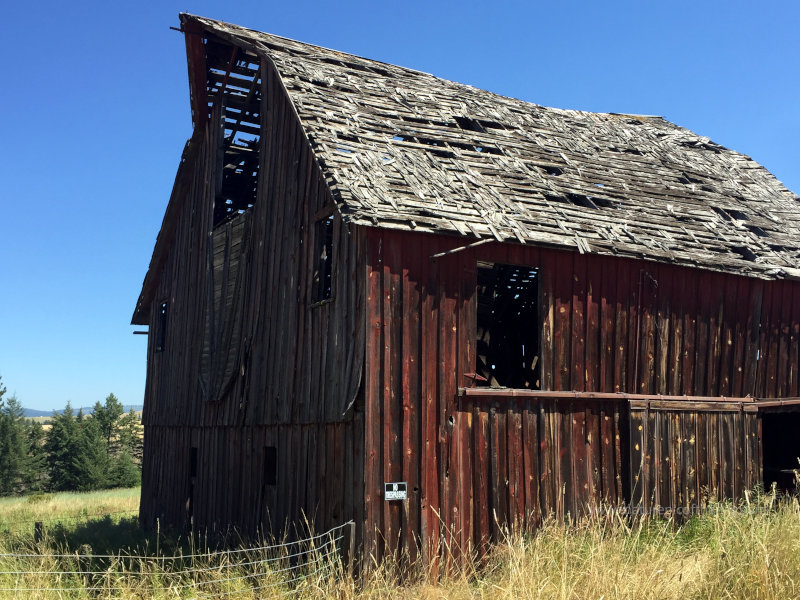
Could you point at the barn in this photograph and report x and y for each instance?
(385, 297)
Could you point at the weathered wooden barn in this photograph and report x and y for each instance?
(369, 275)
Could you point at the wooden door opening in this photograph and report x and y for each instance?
(780, 449)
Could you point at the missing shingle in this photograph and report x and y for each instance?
(744, 252)
(470, 124)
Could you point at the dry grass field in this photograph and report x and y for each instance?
(748, 550)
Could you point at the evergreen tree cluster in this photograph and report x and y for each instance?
(77, 453)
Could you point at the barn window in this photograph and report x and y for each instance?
(323, 260)
(161, 327)
(270, 465)
(234, 89)
(508, 326)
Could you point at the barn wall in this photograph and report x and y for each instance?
(299, 362)
(684, 456)
(319, 471)
(607, 325)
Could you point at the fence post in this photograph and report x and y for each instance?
(38, 531)
(351, 551)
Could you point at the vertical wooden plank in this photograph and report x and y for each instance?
(664, 329)
(481, 475)
(703, 340)
(579, 449)
(739, 464)
(794, 342)
(496, 486)
(752, 337)
(691, 305)
(650, 466)
(740, 311)
(516, 493)
(772, 346)
(646, 360)
(727, 340)
(783, 384)
(579, 311)
(547, 309)
(431, 506)
(392, 384)
(446, 361)
(411, 396)
(689, 429)
(563, 323)
(677, 319)
(466, 360)
(666, 462)
(701, 444)
(373, 405)
(608, 474)
(637, 418)
(565, 445)
(593, 335)
(608, 296)
(531, 469)
(594, 454)
(548, 479)
(621, 310)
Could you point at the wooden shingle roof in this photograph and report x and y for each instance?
(406, 150)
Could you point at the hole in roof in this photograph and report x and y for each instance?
(600, 185)
(552, 170)
(744, 252)
(757, 230)
(469, 124)
(736, 214)
(399, 138)
(442, 153)
(687, 179)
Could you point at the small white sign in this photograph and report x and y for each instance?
(395, 491)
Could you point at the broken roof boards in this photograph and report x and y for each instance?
(403, 149)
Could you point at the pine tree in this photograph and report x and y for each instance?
(13, 446)
(129, 433)
(36, 477)
(91, 460)
(125, 472)
(107, 416)
(61, 448)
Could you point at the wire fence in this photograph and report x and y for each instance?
(285, 568)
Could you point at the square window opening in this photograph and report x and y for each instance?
(507, 329)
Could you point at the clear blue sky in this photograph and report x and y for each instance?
(95, 113)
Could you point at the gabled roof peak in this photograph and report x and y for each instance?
(404, 149)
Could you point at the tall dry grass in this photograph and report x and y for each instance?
(746, 550)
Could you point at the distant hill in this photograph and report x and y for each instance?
(87, 410)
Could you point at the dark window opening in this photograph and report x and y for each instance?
(323, 260)
(161, 328)
(508, 326)
(270, 465)
(234, 90)
(781, 449)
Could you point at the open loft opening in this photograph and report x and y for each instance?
(234, 84)
(507, 329)
(323, 255)
(780, 449)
